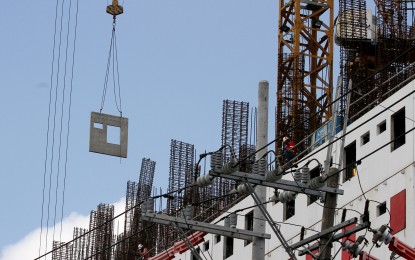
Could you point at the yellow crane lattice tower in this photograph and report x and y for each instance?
(305, 68)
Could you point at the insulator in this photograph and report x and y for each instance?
(317, 183)
(382, 235)
(188, 212)
(346, 245)
(212, 161)
(227, 222)
(233, 219)
(255, 168)
(287, 196)
(357, 247)
(204, 180)
(297, 175)
(216, 161)
(242, 189)
(230, 167)
(274, 175)
(262, 166)
(274, 198)
(305, 175)
(219, 160)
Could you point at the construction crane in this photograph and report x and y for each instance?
(305, 68)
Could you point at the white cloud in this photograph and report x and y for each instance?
(28, 247)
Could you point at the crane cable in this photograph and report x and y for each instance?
(112, 62)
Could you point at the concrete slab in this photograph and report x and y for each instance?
(99, 135)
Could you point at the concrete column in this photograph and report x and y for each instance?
(258, 244)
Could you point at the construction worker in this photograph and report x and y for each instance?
(288, 151)
(142, 252)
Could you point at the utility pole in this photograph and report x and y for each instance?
(258, 245)
(326, 242)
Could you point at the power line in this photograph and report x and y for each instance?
(48, 125)
(69, 116)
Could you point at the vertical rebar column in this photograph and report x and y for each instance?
(149, 237)
(146, 179)
(258, 246)
(101, 238)
(130, 219)
(181, 171)
(180, 176)
(235, 118)
(80, 244)
(59, 251)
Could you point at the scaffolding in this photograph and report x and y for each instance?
(371, 51)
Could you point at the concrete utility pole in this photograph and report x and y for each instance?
(258, 245)
(330, 204)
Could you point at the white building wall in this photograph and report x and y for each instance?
(382, 175)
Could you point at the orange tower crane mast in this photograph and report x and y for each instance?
(305, 68)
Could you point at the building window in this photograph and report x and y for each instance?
(349, 161)
(206, 246)
(228, 247)
(382, 127)
(398, 129)
(249, 224)
(381, 209)
(289, 209)
(364, 139)
(217, 239)
(315, 172)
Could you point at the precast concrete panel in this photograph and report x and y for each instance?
(98, 135)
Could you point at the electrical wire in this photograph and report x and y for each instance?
(106, 222)
(48, 127)
(386, 209)
(69, 116)
(337, 251)
(303, 190)
(352, 130)
(54, 123)
(371, 153)
(61, 117)
(360, 184)
(185, 219)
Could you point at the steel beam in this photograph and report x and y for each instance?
(204, 227)
(337, 237)
(323, 233)
(280, 184)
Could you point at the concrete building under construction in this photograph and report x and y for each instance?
(347, 192)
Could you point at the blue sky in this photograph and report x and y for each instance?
(178, 61)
